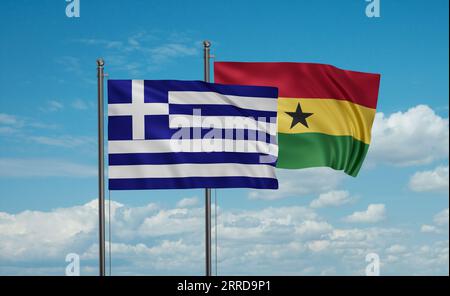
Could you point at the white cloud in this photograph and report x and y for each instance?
(395, 249)
(433, 181)
(415, 137)
(65, 141)
(153, 240)
(101, 42)
(332, 199)
(312, 228)
(374, 213)
(30, 235)
(7, 130)
(441, 218)
(10, 124)
(169, 257)
(268, 225)
(161, 54)
(26, 130)
(430, 257)
(14, 125)
(52, 106)
(319, 245)
(8, 119)
(295, 183)
(44, 167)
(143, 46)
(187, 202)
(70, 64)
(171, 222)
(80, 105)
(429, 229)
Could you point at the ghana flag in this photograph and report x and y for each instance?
(325, 114)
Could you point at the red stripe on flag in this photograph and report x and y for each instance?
(303, 80)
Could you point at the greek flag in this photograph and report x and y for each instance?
(170, 134)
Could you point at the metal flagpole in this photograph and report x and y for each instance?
(101, 168)
(206, 58)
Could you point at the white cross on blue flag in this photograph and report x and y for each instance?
(170, 134)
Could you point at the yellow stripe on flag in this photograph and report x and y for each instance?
(330, 116)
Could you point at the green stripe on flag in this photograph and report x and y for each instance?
(307, 150)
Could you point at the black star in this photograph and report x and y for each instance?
(299, 116)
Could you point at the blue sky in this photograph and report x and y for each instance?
(48, 136)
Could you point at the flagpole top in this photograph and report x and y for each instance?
(206, 44)
(100, 62)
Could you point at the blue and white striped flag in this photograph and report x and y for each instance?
(169, 134)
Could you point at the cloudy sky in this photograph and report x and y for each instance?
(320, 221)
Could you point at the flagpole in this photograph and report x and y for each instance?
(101, 167)
(206, 58)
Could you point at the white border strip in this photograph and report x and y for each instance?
(222, 122)
(191, 145)
(192, 170)
(213, 98)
